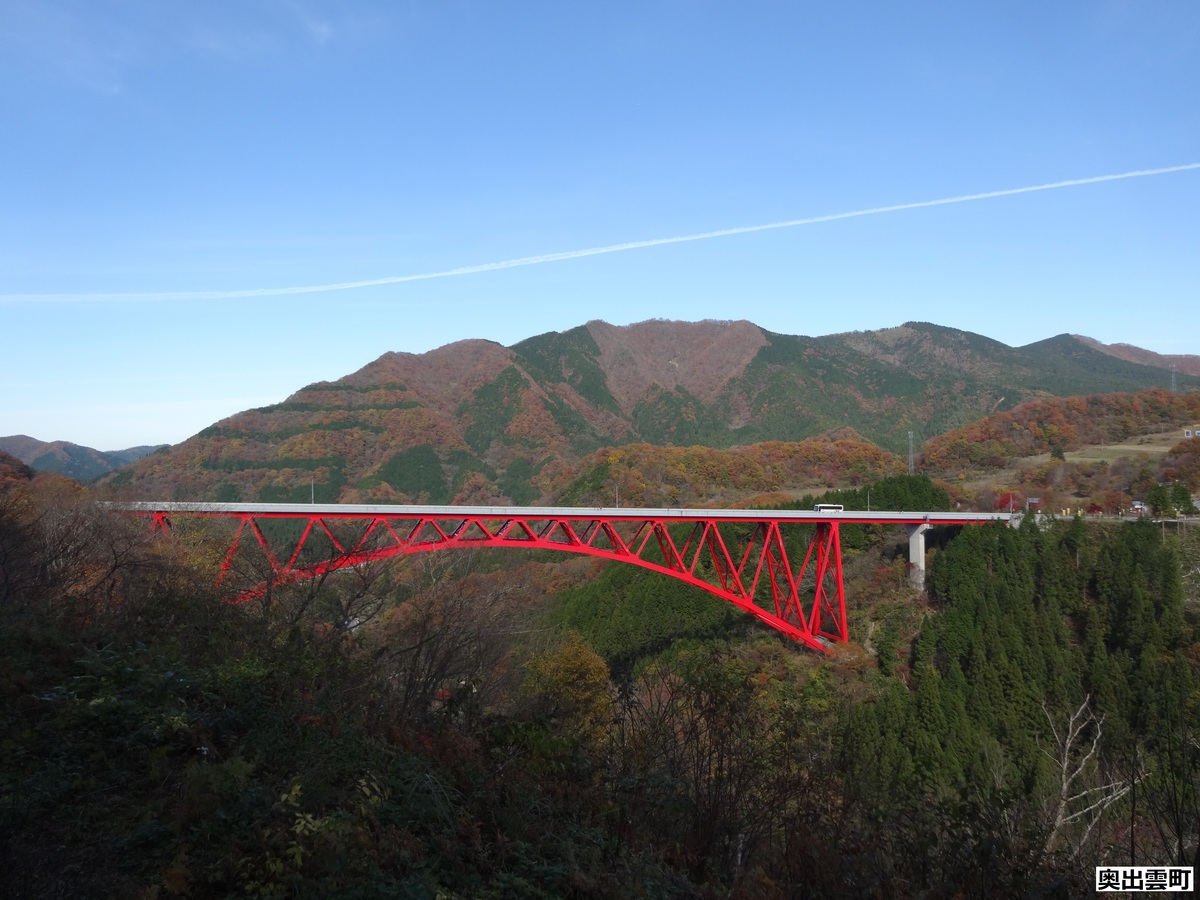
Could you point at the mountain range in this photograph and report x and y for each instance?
(1187, 364)
(73, 460)
(478, 422)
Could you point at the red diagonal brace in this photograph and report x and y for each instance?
(756, 557)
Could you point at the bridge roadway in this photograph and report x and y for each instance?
(594, 530)
(569, 513)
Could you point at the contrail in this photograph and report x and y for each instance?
(578, 254)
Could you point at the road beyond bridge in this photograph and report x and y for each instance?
(739, 555)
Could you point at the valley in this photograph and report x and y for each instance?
(521, 722)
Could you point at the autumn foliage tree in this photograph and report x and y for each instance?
(1063, 424)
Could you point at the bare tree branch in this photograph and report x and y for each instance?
(1075, 759)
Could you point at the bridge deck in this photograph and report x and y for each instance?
(570, 513)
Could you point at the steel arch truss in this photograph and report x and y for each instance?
(744, 562)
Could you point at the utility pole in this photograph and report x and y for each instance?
(910, 454)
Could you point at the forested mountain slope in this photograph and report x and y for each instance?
(435, 726)
(1188, 364)
(478, 422)
(1056, 425)
(73, 460)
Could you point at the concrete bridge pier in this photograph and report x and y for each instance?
(916, 555)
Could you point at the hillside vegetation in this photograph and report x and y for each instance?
(1024, 453)
(539, 725)
(83, 464)
(446, 728)
(475, 422)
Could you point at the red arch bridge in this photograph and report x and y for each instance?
(740, 555)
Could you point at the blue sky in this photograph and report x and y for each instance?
(160, 161)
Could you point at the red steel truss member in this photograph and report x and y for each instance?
(738, 555)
